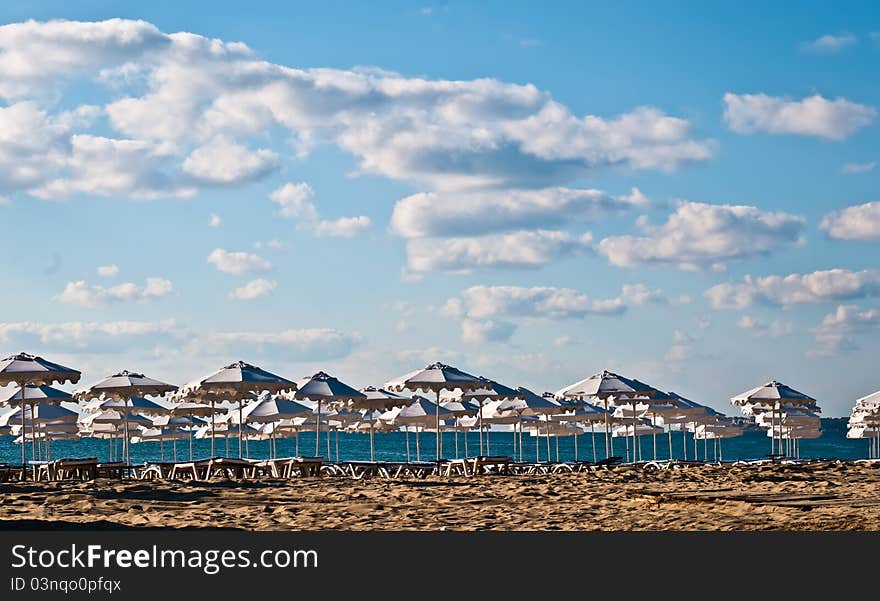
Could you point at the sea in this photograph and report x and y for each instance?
(400, 446)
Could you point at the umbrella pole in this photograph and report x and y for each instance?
(174, 440)
(240, 429)
(653, 419)
(669, 433)
(33, 434)
(125, 450)
(418, 448)
(557, 445)
(372, 453)
(607, 433)
(226, 440)
(297, 443)
(23, 437)
(626, 439)
(576, 445)
(436, 425)
(520, 443)
(696, 455)
(488, 443)
(634, 432)
(466, 432)
(593, 438)
(537, 447)
(337, 445)
(318, 432)
(162, 447)
(213, 427)
(548, 441)
(406, 432)
(329, 454)
(110, 448)
(190, 437)
(457, 454)
(481, 426)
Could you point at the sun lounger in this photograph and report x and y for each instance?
(195, 470)
(365, 469)
(306, 467)
(232, 468)
(85, 468)
(114, 469)
(481, 464)
(156, 469)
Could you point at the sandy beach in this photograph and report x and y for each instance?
(817, 496)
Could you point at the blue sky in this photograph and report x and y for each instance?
(446, 162)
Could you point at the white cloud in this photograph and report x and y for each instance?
(441, 214)
(344, 227)
(474, 331)
(85, 295)
(214, 220)
(684, 348)
(700, 236)
(183, 92)
(838, 330)
(486, 302)
(830, 43)
(855, 168)
(237, 262)
(257, 288)
(311, 344)
(106, 166)
(295, 201)
(93, 336)
(832, 285)
(562, 341)
(639, 294)
(859, 222)
(223, 161)
(759, 328)
(515, 250)
(108, 271)
(4, 201)
(813, 116)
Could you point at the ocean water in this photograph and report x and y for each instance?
(393, 447)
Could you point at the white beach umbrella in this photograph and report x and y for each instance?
(23, 369)
(419, 414)
(489, 390)
(606, 388)
(377, 400)
(529, 404)
(324, 389)
(123, 386)
(773, 396)
(236, 382)
(435, 377)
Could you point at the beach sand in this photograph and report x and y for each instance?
(818, 496)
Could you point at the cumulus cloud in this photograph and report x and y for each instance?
(214, 220)
(294, 200)
(701, 236)
(344, 227)
(486, 302)
(475, 331)
(238, 262)
(311, 344)
(830, 43)
(108, 271)
(515, 250)
(855, 168)
(257, 288)
(177, 98)
(442, 214)
(86, 295)
(838, 331)
(223, 161)
(760, 328)
(859, 222)
(94, 336)
(832, 285)
(813, 116)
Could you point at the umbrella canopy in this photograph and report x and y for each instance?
(123, 386)
(488, 390)
(323, 388)
(420, 412)
(24, 369)
(40, 414)
(234, 380)
(136, 406)
(35, 395)
(772, 394)
(606, 384)
(379, 399)
(270, 409)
